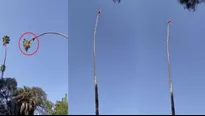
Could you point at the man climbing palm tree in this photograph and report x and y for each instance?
(26, 44)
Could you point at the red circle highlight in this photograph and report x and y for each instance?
(37, 44)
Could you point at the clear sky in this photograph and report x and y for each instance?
(48, 68)
(131, 57)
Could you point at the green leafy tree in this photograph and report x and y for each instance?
(49, 107)
(61, 107)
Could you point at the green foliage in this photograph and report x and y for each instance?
(61, 107)
(49, 106)
(3, 68)
(6, 40)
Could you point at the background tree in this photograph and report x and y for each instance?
(49, 107)
(30, 99)
(6, 41)
(61, 107)
(7, 88)
(190, 4)
(27, 100)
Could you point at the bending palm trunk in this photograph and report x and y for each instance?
(169, 71)
(94, 59)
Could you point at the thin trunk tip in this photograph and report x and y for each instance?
(169, 21)
(99, 11)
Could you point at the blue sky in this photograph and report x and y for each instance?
(131, 57)
(48, 68)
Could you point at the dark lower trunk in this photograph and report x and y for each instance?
(31, 112)
(172, 103)
(96, 100)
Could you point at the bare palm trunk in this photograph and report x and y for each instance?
(27, 43)
(54, 33)
(169, 71)
(94, 59)
(2, 74)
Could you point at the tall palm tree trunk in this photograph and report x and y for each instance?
(94, 59)
(2, 74)
(169, 71)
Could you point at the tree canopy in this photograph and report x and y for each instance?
(28, 100)
(190, 4)
(61, 107)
